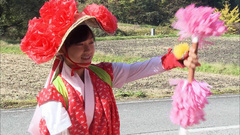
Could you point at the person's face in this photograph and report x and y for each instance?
(82, 52)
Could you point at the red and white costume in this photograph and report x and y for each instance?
(91, 108)
(91, 105)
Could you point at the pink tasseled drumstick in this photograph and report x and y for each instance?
(190, 96)
(198, 22)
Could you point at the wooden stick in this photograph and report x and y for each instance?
(191, 71)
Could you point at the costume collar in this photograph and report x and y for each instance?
(74, 80)
(77, 84)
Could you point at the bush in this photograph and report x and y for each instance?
(236, 26)
(100, 33)
(142, 30)
(165, 30)
(231, 18)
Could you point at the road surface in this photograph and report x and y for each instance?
(149, 117)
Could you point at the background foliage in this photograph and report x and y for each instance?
(15, 14)
(231, 18)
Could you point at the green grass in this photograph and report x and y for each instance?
(101, 57)
(227, 35)
(141, 30)
(135, 25)
(16, 43)
(225, 91)
(17, 104)
(217, 68)
(11, 49)
(132, 37)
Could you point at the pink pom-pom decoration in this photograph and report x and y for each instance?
(103, 16)
(189, 99)
(198, 22)
(44, 35)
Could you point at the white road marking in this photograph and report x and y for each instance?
(169, 99)
(213, 128)
(196, 130)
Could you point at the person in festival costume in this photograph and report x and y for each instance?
(77, 98)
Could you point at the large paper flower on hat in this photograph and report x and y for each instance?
(46, 34)
(103, 16)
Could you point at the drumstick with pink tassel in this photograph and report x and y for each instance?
(190, 96)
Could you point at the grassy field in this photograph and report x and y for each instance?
(208, 70)
(217, 68)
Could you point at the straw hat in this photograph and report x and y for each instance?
(46, 34)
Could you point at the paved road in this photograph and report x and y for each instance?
(148, 118)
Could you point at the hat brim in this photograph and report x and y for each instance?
(91, 21)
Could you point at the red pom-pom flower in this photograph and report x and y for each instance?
(103, 16)
(59, 14)
(44, 35)
(39, 43)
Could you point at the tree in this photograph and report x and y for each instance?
(15, 15)
(138, 11)
(153, 12)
